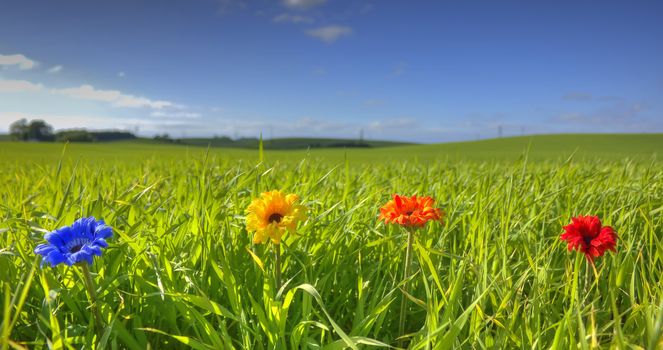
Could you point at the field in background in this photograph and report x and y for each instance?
(494, 275)
(542, 147)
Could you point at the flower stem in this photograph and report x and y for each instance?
(277, 266)
(92, 294)
(406, 274)
(588, 286)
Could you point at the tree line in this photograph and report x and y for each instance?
(39, 130)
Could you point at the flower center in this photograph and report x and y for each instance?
(276, 217)
(76, 244)
(408, 213)
(587, 240)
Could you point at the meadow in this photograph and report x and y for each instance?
(181, 270)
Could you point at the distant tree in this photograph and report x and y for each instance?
(164, 138)
(39, 130)
(112, 135)
(80, 135)
(19, 130)
(34, 130)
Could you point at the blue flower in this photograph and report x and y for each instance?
(76, 243)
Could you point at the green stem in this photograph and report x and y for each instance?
(587, 287)
(92, 294)
(406, 275)
(277, 266)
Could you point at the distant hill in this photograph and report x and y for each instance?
(225, 142)
(288, 143)
(637, 147)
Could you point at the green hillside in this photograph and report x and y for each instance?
(540, 147)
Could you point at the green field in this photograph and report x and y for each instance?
(181, 270)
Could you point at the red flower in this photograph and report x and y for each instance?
(585, 234)
(410, 211)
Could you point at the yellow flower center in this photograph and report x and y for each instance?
(276, 217)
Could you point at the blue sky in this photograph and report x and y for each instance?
(427, 71)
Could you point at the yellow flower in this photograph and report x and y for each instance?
(271, 215)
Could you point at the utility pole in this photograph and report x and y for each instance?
(499, 131)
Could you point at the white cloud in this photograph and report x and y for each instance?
(117, 98)
(19, 60)
(176, 115)
(55, 69)
(121, 74)
(88, 92)
(621, 116)
(19, 86)
(330, 34)
(394, 124)
(284, 17)
(303, 4)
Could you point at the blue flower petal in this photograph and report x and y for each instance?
(54, 258)
(56, 237)
(76, 243)
(44, 249)
(91, 250)
(100, 242)
(103, 232)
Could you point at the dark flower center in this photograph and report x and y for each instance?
(276, 217)
(76, 244)
(408, 213)
(588, 239)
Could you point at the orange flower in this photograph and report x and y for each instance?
(272, 215)
(413, 211)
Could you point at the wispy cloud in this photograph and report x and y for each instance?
(176, 114)
(121, 74)
(19, 86)
(616, 117)
(55, 69)
(330, 34)
(302, 4)
(115, 97)
(288, 18)
(19, 60)
(394, 124)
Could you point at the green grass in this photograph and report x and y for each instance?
(640, 147)
(180, 271)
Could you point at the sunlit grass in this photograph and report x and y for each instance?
(181, 268)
